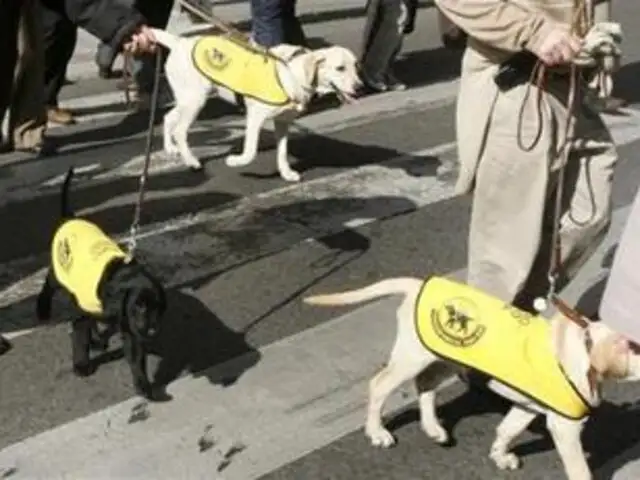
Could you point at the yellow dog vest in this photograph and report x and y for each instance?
(462, 324)
(80, 253)
(239, 68)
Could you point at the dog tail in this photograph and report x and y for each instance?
(390, 286)
(165, 38)
(65, 209)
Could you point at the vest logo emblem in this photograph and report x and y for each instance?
(65, 258)
(457, 322)
(218, 60)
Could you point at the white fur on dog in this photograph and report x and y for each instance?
(611, 356)
(320, 72)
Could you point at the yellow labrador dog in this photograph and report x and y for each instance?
(280, 90)
(583, 358)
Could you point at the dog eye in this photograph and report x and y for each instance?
(341, 68)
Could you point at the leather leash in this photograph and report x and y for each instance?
(135, 225)
(579, 25)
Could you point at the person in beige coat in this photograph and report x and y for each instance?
(506, 148)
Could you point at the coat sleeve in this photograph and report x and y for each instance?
(111, 21)
(502, 24)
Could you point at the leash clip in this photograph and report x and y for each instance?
(132, 241)
(541, 304)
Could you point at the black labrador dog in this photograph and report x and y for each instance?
(109, 289)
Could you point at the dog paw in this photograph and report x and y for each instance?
(381, 438)
(290, 175)
(84, 369)
(436, 433)
(505, 461)
(193, 164)
(237, 161)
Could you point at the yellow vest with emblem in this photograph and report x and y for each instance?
(469, 327)
(80, 252)
(240, 68)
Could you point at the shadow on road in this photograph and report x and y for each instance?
(608, 439)
(194, 338)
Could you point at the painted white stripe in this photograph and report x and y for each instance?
(384, 180)
(389, 179)
(390, 101)
(277, 411)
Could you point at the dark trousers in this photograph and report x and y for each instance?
(60, 36)
(21, 72)
(387, 22)
(9, 20)
(274, 22)
(105, 54)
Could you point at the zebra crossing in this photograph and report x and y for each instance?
(280, 402)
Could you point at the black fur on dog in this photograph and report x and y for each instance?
(133, 303)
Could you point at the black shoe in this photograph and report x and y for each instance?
(393, 83)
(374, 84)
(5, 346)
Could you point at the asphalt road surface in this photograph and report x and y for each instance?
(278, 388)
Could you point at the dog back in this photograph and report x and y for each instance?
(468, 327)
(240, 68)
(80, 253)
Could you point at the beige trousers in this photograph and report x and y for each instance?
(27, 112)
(513, 198)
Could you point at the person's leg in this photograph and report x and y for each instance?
(28, 116)
(385, 38)
(586, 212)
(9, 20)
(293, 32)
(105, 58)
(509, 198)
(267, 23)
(59, 43)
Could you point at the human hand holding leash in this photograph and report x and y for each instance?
(141, 41)
(558, 47)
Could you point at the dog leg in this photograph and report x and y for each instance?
(513, 424)
(566, 437)
(137, 358)
(80, 346)
(170, 121)
(400, 369)
(45, 297)
(281, 127)
(187, 111)
(256, 116)
(426, 383)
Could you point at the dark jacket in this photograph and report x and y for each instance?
(110, 21)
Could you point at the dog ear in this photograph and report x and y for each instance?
(310, 67)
